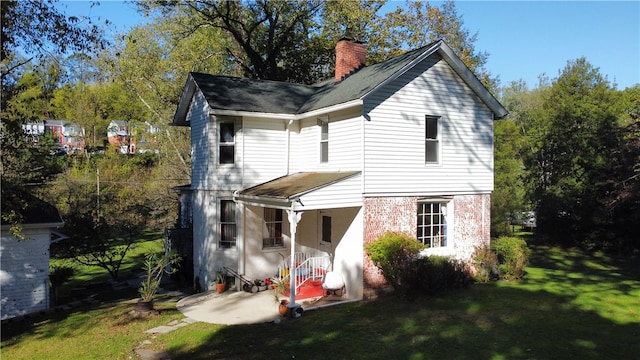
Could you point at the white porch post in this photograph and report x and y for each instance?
(294, 218)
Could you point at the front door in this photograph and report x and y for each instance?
(325, 233)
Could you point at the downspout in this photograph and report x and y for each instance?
(288, 131)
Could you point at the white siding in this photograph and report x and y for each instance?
(207, 257)
(24, 273)
(345, 143)
(201, 143)
(394, 155)
(305, 146)
(345, 193)
(265, 150)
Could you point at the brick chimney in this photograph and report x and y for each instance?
(350, 56)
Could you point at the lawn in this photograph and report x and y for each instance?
(570, 305)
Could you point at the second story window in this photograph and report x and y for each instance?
(432, 140)
(227, 143)
(273, 228)
(324, 140)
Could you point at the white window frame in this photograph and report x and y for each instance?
(273, 225)
(323, 123)
(433, 225)
(429, 139)
(222, 243)
(226, 144)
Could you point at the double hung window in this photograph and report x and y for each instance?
(227, 224)
(324, 140)
(273, 228)
(227, 143)
(432, 140)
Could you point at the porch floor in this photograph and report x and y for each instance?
(240, 307)
(308, 290)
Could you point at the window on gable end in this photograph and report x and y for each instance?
(324, 139)
(432, 139)
(227, 142)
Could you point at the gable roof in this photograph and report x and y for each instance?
(242, 96)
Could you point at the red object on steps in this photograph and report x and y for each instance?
(310, 289)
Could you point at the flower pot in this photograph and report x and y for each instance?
(144, 306)
(220, 288)
(282, 307)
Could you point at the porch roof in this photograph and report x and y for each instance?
(285, 190)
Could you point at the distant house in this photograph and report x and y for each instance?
(24, 263)
(294, 178)
(131, 137)
(70, 136)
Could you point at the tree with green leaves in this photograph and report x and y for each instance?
(106, 208)
(38, 29)
(576, 144)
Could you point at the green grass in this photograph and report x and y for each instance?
(569, 305)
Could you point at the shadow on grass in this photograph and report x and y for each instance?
(571, 305)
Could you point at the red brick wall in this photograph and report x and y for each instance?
(382, 214)
(471, 226)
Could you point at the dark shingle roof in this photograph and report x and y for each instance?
(273, 97)
(239, 94)
(263, 96)
(36, 211)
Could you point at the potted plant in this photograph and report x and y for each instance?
(155, 266)
(221, 281)
(279, 287)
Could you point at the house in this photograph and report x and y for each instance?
(70, 136)
(291, 176)
(130, 137)
(24, 262)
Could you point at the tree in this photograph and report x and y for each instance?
(106, 210)
(35, 26)
(420, 23)
(294, 41)
(576, 134)
(268, 36)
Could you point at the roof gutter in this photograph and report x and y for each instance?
(280, 116)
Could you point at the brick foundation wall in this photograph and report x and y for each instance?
(382, 214)
(472, 225)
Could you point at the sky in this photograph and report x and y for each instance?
(524, 39)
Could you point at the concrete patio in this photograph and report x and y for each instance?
(240, 307)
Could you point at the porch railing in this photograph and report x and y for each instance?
(307, 266)
(312, 268)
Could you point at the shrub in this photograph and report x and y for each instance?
(394, 253)
(513, 256)
(436, 273)
(485, 262)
